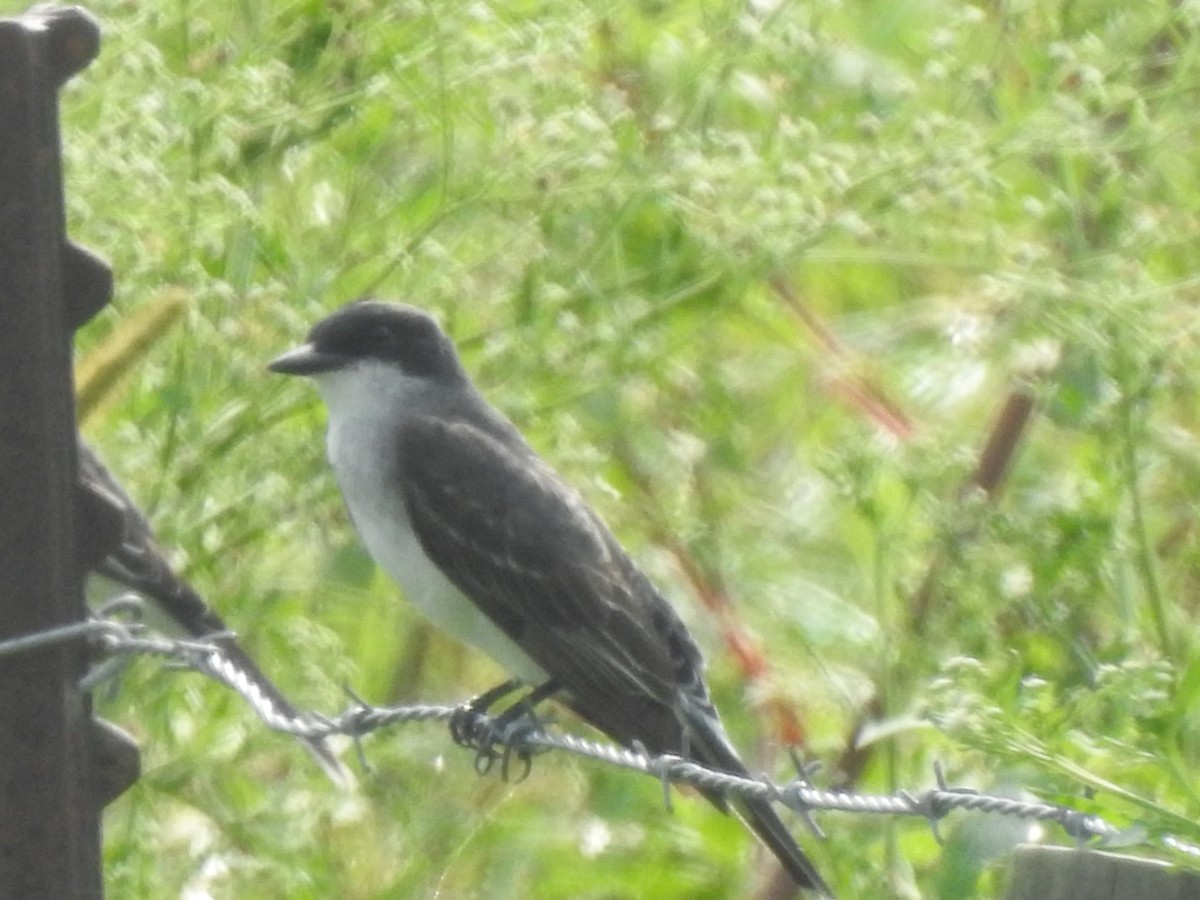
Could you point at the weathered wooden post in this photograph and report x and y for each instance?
(50, 750)
(1065, 873)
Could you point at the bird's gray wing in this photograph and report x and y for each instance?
(521, 544)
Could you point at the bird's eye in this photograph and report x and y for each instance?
(381, 336)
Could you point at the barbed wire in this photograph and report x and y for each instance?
(504, 738)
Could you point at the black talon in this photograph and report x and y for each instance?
(516, 743)
(524, 756)
(484, 760)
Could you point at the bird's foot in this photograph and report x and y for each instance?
(469, 717)
(504, 737)
(507, 737)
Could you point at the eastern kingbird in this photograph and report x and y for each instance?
(118, 545)
(496, 549)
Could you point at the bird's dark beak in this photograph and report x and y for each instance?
(306, 360)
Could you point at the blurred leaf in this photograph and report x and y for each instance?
(98, 372)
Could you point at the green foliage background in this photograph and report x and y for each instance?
(595, 198)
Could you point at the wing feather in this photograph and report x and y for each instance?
(526, 549)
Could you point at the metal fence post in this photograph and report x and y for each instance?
(49, 798)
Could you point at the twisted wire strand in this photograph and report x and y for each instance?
(526, 736)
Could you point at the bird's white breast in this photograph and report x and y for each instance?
(366, 408)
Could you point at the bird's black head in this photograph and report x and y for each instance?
(404, 336)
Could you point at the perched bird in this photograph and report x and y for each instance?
(494, 547)
(118, 547)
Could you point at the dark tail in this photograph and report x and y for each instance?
(710, 746)
(771, 831)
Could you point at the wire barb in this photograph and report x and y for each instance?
(522, 735)
(793, 795)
